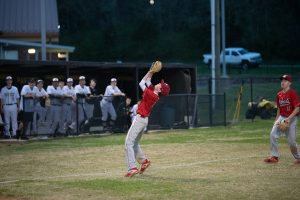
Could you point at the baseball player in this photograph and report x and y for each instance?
(10, 107)
(288, 107)
(39, 105)
(92, 100)
(28, 93)
(56, 97)
(106, 103)
(68, 103)
(82, 92)
(134, 111)
(133, 151)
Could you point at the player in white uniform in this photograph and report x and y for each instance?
(10, 107)
(106, 103)
(68, 103)
(82, 92)
(92, 100)
(56, 96)
(39, 105)
(134, 111)
(28, 93)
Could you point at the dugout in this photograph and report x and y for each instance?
(181, 77)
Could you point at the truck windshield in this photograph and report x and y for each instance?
(243, 51)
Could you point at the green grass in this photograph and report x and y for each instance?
(204, 163)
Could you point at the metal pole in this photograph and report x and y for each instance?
(224, 109)
(251, 94)
(213, 60)
(43, 30)
(224, 71)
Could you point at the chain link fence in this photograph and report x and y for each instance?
(240, 92)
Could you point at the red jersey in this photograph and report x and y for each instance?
(147, 102)
(287, 102)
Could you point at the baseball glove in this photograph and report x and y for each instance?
(155, 67)
(283, 126)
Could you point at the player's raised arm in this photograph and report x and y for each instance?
(146, 80)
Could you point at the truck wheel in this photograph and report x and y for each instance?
(245, 65)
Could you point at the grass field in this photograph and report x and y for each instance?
(204, 163)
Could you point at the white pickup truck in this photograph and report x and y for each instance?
(237, 56)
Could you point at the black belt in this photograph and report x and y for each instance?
(108, 100)
(55, 104)
(9, 104)
(67, 104)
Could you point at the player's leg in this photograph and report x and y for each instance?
(138, 152)
(14, 120)
(34, 120)
(51, 120)
(291, 137)
(6, 121)
(104, 112)
(7, 116)
(274, 138)
(135, 129)
(60, 119)
(113, 115)
(68, 119)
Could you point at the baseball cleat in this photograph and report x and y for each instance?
(272, 159)
(297, 162)
(132, 172)
(145, 165)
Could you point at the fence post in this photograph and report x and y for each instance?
(251, 95)
(210, 109)
(187, 111)
(224, 98)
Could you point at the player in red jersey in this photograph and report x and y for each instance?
(288, 107)
(133, 150)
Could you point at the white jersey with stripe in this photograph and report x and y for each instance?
(9, 95)
(28, 103)
(109, 91)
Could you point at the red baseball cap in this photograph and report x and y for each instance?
(165, 88)
(286, 77)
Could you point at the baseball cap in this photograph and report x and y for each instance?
(286, 77)
(113, 79)
(165, 88)
(8, 78)
(69, 80)
(55, 80)
(40, 81)
(81, 78)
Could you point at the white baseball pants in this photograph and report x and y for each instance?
(290, 134)
(10, 115)
(133, 151)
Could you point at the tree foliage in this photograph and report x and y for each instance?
(176, 30)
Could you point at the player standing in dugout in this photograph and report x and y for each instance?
(288, 107)
(133, 151)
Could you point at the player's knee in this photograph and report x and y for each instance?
(273, 136)
(129, 144)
